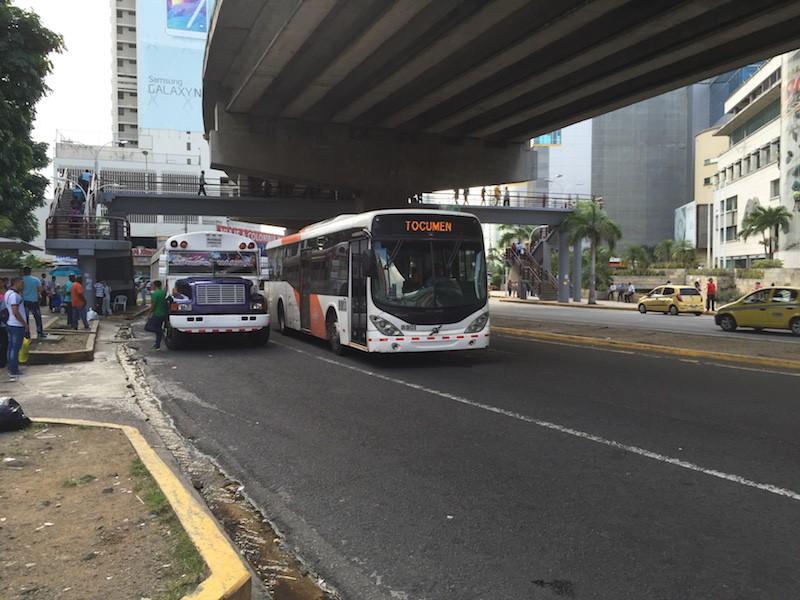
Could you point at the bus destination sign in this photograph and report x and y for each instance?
(425, 225)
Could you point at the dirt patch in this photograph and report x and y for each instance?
(747, 343)
(69, 342)
(81, 518)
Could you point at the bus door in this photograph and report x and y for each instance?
(305, 289)
(359, 261)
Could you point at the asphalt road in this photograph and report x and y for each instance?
(687, 323)
(529, 471)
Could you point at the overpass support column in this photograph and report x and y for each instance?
(563, 267)
(577, 275)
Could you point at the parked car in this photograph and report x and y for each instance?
(767, 308)
(672, 299)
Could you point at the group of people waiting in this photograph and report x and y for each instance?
(623, 292)
(24, 296)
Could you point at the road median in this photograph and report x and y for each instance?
(681, 346)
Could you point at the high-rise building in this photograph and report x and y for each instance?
(759, 165)
(639, 159)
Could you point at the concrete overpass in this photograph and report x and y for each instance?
(295, 212)
(391, 97)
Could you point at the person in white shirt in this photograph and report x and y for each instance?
(99, 295)
(16, 326)
(107, 299)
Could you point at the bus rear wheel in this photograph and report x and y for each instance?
(332, 325)
(174, 339)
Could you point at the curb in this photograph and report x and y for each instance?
(565, 304)
(651, 348)
(229, 579)
(55, 357)
(580, 305)
(137, 313)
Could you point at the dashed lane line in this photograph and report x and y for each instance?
(683, 464)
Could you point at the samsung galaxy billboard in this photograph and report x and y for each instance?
(171, 39)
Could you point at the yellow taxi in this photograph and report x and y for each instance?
(672, 299)
(767, 308)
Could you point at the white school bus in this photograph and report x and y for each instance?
(383, 281)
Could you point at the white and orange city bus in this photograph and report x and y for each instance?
(383, 281)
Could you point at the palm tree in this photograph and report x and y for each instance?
(516, 233)
(683, 252)
(768, 222)
(637, 257)
(591, 222)
(663, 250)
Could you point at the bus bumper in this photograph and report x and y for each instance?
(218, 323)
(423, 343)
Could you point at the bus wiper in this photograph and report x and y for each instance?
(393, 255)
(452, 257)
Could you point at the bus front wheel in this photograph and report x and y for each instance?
(281, 318)
(173, 338)
(333, 334)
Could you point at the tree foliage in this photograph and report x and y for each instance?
(25, 46)
(590, 222)
(518, 233)
(768, 223)
(637, 257)
(663, 251)
(684, 253)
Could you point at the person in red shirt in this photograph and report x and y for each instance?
(78, 299)
(711, 295)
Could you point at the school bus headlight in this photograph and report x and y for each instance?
(384, 326)
(478, 324)
(183, 307)
(257, 306)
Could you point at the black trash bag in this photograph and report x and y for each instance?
(12, 417)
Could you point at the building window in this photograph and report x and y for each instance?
(188, 161)
(548, 139)
(188, 146)
(707, 181)
(775, 188)
(119, 29)
(728, 219)
(120, 95)
(122, 127)
(120, 62)
(775, 150)
(120, 111)
(756, 161)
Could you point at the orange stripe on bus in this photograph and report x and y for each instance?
(290, 239)
(318, 328)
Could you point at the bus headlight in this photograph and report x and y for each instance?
(478, 323)
(185, 307)
(257, 306)
(384, 326)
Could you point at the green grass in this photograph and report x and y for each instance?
(82, 480)
(185, 558)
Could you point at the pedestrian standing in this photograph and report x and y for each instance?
(497, 195)
(455, 196)
(506, 197)
(630, 293)
(465, 191)
(3, 322)
(16, 327)
(202, 188)
(99, 295)
(52, 288)
(30, 295)
(158, 312)
(78, 303)
(68, 298)
(483, 196)
(107, 299)
(143, 292)
(44, 293)
(711, 295)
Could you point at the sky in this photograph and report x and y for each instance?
(79, 103)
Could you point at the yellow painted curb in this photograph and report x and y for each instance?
(760, 361)
(229, 579)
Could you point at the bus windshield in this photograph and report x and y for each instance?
(212, 262)
(430, 274)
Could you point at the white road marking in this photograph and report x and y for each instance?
(766, 487)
